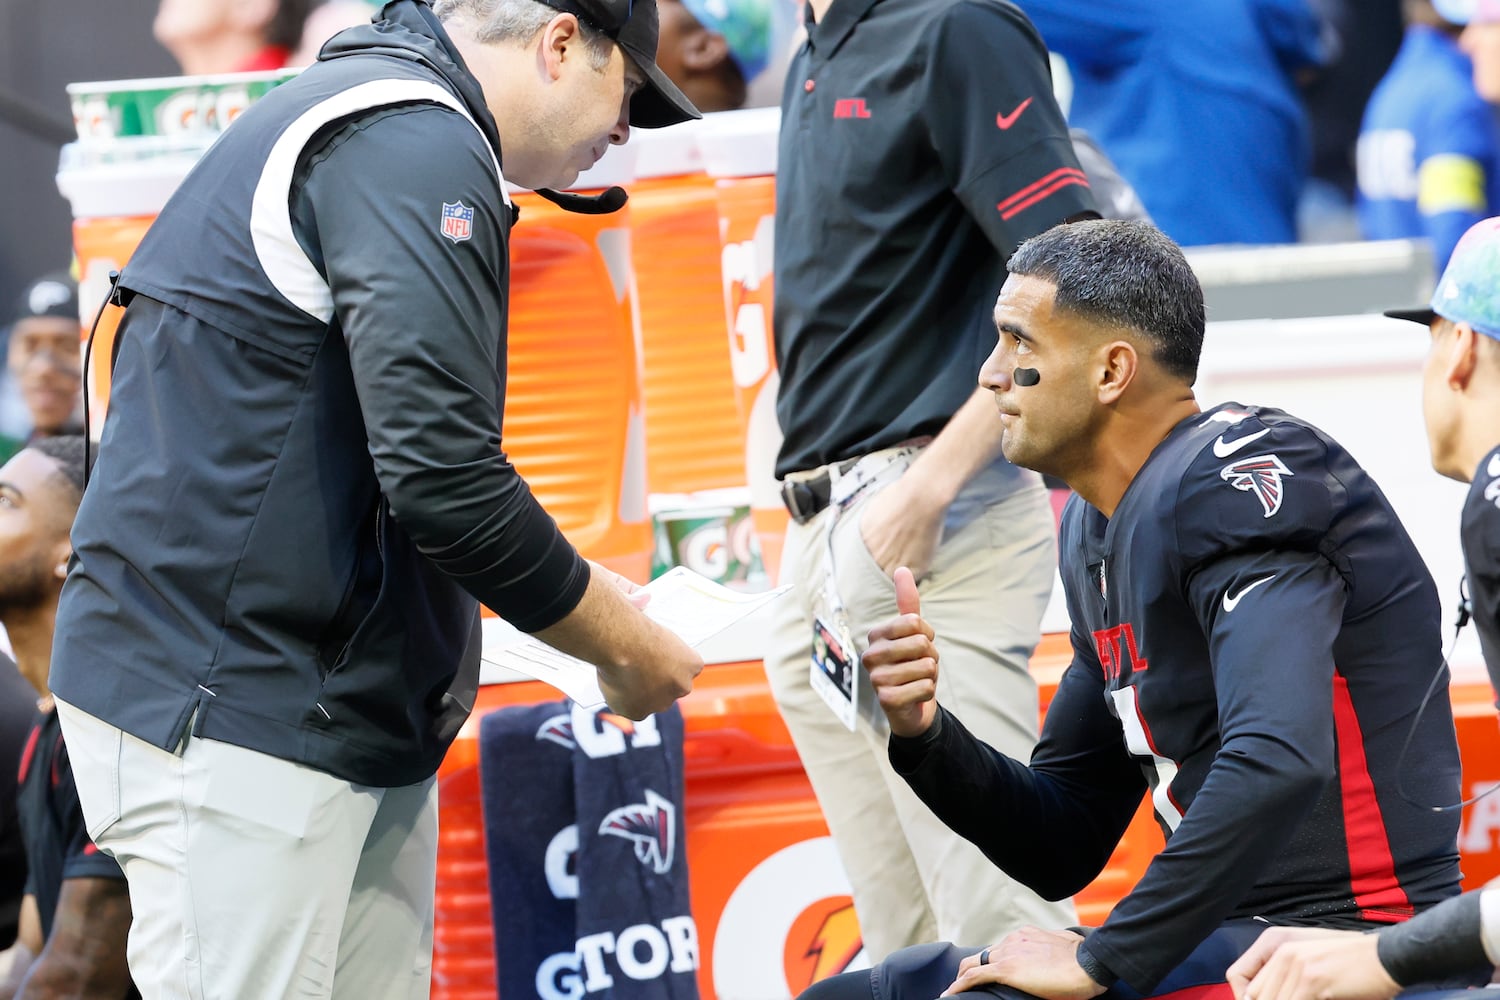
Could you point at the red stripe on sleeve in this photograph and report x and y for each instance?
(1037, 190)
(28, 753)
(1372, 869)
(1209, 991)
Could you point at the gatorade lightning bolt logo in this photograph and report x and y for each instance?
(823, 941)
(652, 825)
(1260, 475)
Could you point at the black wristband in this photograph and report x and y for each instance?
(1097, 970)
(1435, 945)
(908, 753)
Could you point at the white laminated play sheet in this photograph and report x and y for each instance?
(687, 603)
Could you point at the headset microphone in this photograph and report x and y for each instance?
(1026, 376)
(609, 200)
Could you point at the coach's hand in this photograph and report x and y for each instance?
(643, 667)
(1043, 963)
(1311, 963)
(903, 663)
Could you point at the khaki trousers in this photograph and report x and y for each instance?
(254, 878)
(915, 880)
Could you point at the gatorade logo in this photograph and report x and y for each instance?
(824, 941)
(789, 923)
(745, 266)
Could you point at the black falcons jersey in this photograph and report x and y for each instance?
(1253, 631)
(1481, 540)
(57, 842)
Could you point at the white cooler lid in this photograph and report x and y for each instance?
(98, 187)
(740, 143)
(667, 152)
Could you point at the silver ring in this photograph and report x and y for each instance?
(984, 957)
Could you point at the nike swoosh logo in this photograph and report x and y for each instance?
(1230, 603)
(1006, 121)
(1223, 449)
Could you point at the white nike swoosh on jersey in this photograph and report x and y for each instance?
(1230, 603)
(1223, 449)
(1494, 469)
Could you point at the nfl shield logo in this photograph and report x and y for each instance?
(458, 221)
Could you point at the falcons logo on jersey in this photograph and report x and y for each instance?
(652, 825)
(1260, 475)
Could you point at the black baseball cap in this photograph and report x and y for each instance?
(50, 295)
(634, 25)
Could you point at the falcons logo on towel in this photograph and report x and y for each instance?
(652, 825)
(1260, 475)
(558, 729)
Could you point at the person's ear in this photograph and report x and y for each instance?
(1118, 366)
(1460, 357)
(704, 50)
(62, 555)
(561, 37)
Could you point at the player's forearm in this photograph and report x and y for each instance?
(1239, 821)
(1036, 824)
(966, 446)
(1458, 935)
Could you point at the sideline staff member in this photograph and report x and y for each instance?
(270, 635)
(920, 143)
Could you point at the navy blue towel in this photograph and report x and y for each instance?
(635, 924)
(588, 872)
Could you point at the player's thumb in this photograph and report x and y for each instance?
(908, 601)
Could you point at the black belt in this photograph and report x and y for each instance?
(807, 497)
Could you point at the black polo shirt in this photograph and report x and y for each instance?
(57, 841)
(920, 144)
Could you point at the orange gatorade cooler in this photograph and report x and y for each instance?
(137, 140)
(739, 152)
(115, 192)
(693, 436)
(574, 420)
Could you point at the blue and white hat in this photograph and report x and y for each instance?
(1469, 290)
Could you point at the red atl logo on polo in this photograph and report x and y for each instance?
(850, 107)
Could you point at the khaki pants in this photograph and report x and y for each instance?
(253, 877)
(914, 879)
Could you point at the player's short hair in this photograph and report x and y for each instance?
(1121, 273)
(493, 21)
(68, 452)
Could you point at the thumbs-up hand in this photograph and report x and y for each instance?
(902, 662)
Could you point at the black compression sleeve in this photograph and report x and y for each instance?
(1435, 945)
